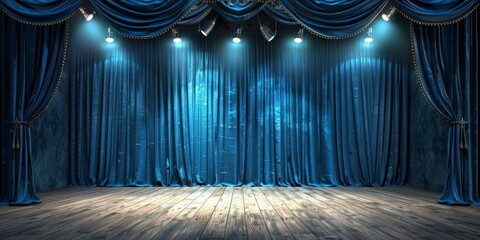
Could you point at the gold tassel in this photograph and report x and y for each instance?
(16, 135)
(463, 134)
(15, 130)
(15, 143)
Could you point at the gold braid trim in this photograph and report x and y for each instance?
(442, 23)
(326, 37)
(65, 47)
(419, 77)
(158, 34)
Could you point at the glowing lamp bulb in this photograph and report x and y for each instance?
(298, 40)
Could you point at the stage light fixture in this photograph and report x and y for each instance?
(388, 16)
(176, 35)
(267, 32)
(237, 34)
(207, 27)
(369, 36)
(87, 16)
(109, 37)
(299, 36)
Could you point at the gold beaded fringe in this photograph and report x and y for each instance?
(419, 77)
(37, 24)
(17, 123)
(442, 23)
(59, 80)
(412, 45)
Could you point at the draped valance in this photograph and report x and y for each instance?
(40, 12)
(143, 19)
(433, 12)
(237, 12)
(325, 18)
(334, 19)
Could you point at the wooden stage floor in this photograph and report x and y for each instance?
(239, 213)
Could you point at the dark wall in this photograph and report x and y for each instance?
(50, 144)
(428, 143)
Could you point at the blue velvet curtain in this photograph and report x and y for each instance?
(436, 11)
(334, 19)
(143, 18)
(266, 138)
(196, 14)
(237, 12)
(448, 67)
(32, 59)
(279, 15)
(208, 111)
(40, 11)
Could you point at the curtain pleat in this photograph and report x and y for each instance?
(208, 111)
(31, 65)
(446, 60)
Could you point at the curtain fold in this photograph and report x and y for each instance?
(196, 14)
(208, 111)
(40, 11)
(237, 12)
(334, 19)
(143, 19)
(279, 15)
(447, 67)
(436, 12)
(31, 66)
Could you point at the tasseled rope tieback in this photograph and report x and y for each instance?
(463, 137)
(16, 126)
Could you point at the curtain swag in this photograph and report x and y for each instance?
(338, 20)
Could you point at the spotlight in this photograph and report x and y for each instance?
(267, 33)
(387, 16)
(176, 35)
(237, 35)
(207, 27)
(87, 16)
(299, 36)
(109, 37)
(369, 37)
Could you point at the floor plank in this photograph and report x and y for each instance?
(236, 223)
(239, 213)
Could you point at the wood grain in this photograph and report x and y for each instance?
(239, 213)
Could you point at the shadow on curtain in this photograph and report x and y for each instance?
(208, 111)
